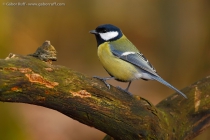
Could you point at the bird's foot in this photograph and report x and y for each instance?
(103, 80)
(124, 90)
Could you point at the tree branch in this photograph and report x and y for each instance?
(26, 79)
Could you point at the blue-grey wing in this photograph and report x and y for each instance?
(135, 58)
(138, 59)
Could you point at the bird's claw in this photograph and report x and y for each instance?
(124, 90)
(103, 80)
(108, 85)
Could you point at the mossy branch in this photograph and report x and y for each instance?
(26, 79)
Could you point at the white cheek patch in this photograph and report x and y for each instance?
(127, 53)
(109, 35)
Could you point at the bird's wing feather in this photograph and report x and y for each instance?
(138, 59)
(135, 58)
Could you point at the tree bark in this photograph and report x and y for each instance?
(26, 79)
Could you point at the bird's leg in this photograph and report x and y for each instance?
(104, 80)
(128, 86)
(126, 90)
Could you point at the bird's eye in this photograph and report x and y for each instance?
(103, 30)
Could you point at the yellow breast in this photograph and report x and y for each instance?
(116, 67)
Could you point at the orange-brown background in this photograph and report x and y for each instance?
(173, 35)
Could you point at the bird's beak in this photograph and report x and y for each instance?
(93, 32)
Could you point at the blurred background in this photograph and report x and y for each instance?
(173, 35)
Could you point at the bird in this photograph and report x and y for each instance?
(122, 60)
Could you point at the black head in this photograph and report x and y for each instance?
(106, 33)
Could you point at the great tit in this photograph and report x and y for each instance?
(122, 60)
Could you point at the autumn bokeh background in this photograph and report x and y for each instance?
(173, 35)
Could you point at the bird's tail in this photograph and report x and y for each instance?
(159, 79)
